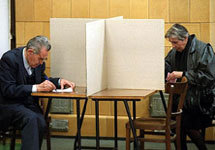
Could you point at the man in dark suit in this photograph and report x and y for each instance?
(21, 73)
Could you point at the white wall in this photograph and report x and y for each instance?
(4, 26)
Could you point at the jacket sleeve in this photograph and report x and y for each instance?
(203, 74)
(168, 63)
(45, 77)
(9, 86)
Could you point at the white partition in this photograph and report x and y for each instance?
(96, 57)
(112, 53)
(68, 56)
(135, 53)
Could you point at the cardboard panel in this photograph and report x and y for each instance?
(131, 58)
(68, 56)
(96, 66)
(135, 56)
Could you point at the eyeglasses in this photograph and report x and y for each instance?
(41, 59)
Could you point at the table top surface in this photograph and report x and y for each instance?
(123, 94)
(79, 92)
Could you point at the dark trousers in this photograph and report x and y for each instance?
(30, 120)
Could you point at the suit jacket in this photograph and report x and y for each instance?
(13, 83)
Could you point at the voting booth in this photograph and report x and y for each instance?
(108, 53)
(100, 54)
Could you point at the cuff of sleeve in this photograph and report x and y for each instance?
(59, 82)
(34, 88)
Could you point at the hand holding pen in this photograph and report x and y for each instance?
(172, 77)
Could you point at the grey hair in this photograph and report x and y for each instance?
(37, 43)
(177, 31)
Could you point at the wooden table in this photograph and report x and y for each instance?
(116, 95)
(78, 94)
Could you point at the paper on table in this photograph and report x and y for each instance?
(63, 90)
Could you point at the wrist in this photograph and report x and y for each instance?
(34, 88)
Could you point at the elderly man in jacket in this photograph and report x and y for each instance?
(21, 73)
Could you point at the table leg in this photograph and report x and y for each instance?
(115, 126)
(81, 121)
(134, 115)
(97, 123)
(78, 123)
(134, 110)
(131, 124)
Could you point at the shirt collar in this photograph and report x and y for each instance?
(26, 65)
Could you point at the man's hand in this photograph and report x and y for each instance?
(45, 86)
(174, 75)
(64, 83)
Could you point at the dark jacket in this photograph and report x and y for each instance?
(14, 88)
(200, 69)
(13, 83)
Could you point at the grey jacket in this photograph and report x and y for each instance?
(200, 69)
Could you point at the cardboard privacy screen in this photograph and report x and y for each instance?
(108, 53)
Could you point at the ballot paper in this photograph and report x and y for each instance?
(63, 90)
